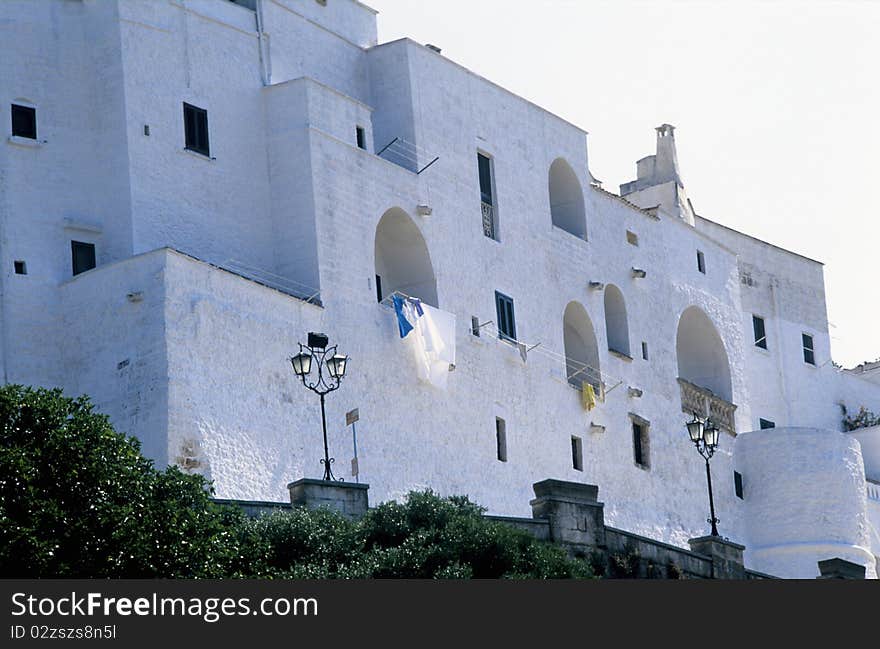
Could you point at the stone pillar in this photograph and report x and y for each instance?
(576, 516)
(727, 556)
(840, 569)
(350, 499)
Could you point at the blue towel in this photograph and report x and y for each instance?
(402, 323)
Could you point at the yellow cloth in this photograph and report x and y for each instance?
(588, 396)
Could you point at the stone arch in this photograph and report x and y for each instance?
(616, 323)
(402, 260)
(581, 348)
(702, 359)
(567, 199)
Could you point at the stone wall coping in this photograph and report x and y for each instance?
(250, 503)
(567, 491)
(667, 546)
(718, 539)
(317, 482)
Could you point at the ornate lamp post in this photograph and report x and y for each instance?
(705, 435)
(330, 370)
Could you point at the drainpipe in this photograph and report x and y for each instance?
(265, 61)
(778, 317)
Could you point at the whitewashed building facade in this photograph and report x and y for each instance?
(188, 187)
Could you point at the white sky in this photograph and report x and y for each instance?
(776, 104)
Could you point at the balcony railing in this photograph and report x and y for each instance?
(873, 490)
(706, 403)
(488, 219)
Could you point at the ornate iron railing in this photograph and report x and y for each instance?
(706, 403)
(488, 219)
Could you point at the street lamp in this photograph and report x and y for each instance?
(704, 435)
(316, 354)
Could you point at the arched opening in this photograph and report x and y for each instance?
(616, 325)
(567, 199)
(581, 348)
(702, 359)
(402, 260)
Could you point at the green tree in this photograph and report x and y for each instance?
(77, 499)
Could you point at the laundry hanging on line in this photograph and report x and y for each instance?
(430, 333)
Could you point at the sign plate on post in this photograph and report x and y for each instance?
(354, 467)
(351, 417)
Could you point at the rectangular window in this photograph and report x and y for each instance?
(738, 484)
(20, 267)
(640, 443)
(378, 288)
(361, 138)
(24, 121)
(766, 423)
(83, 256)
(577, 454)
(701, 262)
(506, 321)
(809, 355)
(645, 351)
(760, 332)
(195, 123)
(501, 439)
(475, 326)
(487, 197)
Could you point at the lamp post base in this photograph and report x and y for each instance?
(347, 498)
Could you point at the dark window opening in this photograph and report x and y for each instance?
(361, 138)
(577, 454)
(24, 121)
(487, 206)
(475, 326)
(738, 484)
(506, 322)
(640, 444)
(766, 423)
(701, 262)
(195, 122)
(645, 351)
(20, 267)
(809, 355)
(378, 288)
(83, 256)
(500, 439)
(760, 332)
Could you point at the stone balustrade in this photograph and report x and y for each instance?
(705, 403)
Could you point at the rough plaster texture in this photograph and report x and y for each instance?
(810, 507)
(196, 364)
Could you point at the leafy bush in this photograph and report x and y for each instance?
(77, 499)
(864, 419)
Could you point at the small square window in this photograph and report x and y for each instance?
(361, 137)
(760, 332)
(83, 256)
(577, 454)
(701, 262)
(24, 121)
(765, 424)
(809, 354)
(20, 267)
(632, 238)
(500, 439)
(506, 321)
(738, 484)
(195, 124)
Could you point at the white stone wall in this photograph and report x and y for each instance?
(805, 501)
(197, 366)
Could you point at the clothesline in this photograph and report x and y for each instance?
(537, 348)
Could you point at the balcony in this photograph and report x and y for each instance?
(488, 219)
(706, 403)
